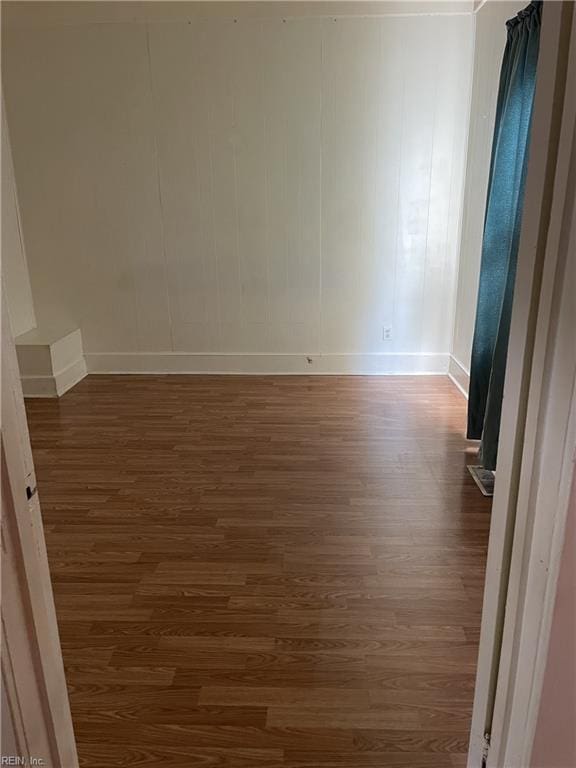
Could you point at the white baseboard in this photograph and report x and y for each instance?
(460, 375)
(51, 360)
(70, 376)
(57, 384)
(183, 362)
(38, 386)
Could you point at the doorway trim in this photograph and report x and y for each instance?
(536, 446)
(32, 667)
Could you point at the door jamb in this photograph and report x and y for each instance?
(509, 613)
(33, 633)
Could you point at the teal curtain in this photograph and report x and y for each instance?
(502, 230)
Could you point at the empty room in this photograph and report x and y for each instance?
(288, 370)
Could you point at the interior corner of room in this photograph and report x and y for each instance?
(336, 201)
(286, 552)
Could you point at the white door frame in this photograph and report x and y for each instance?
(538, 430)
(38, 722)
(536, 457)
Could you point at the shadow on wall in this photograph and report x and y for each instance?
(254, 188)
(555, 740)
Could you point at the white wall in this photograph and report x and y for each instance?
(15, 275)
(555, 738)
(244, 186)
(490, 41)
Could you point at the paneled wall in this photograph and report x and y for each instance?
(245, 186)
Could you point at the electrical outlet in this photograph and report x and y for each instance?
(387, 333)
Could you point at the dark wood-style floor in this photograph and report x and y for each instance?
(264, 572)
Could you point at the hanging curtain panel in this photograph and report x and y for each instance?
(502, 230)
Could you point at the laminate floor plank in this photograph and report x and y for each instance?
(264, 572)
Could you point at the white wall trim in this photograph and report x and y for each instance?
(528, 509)
(57, 384)
(51, 361)
(70, 376)
(547, 456)
(42, 14)
(460, 375)
(38, 386)
(184, 362)
(37, 685)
